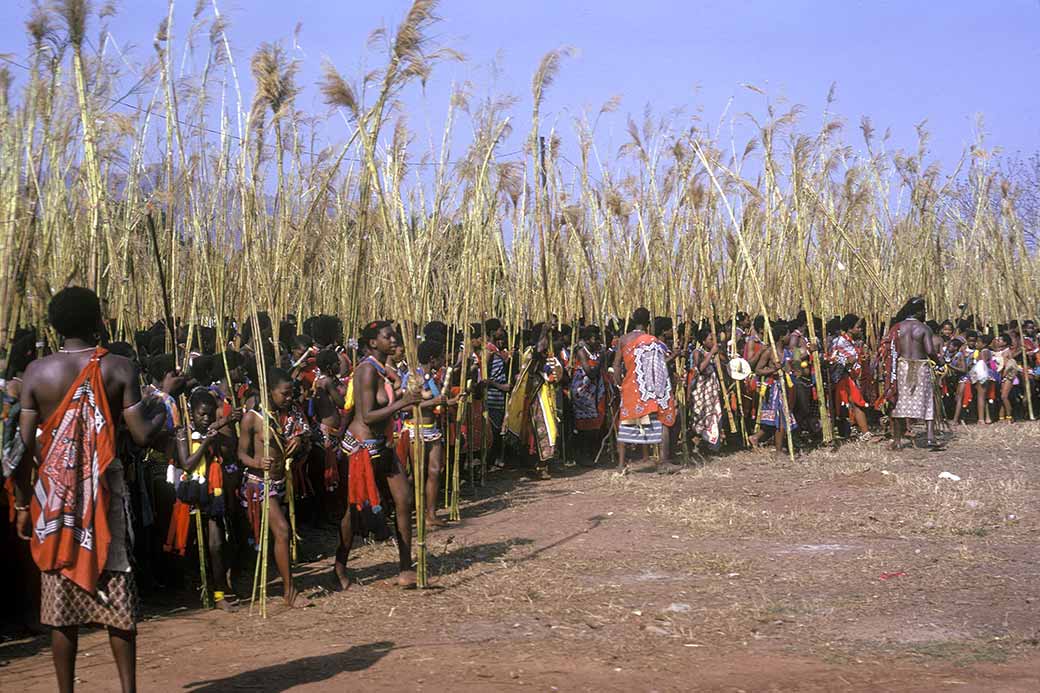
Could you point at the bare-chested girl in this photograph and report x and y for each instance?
(212, 442)
(431, 360)
(372, 463)
(329, 397)
(285, 432)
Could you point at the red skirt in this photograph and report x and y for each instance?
(847, 392)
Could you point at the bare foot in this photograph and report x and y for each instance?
(434, 521)
(406, 579)
(342, 578)
(295, 600)
(225, 605)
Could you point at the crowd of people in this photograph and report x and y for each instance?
(178, 438)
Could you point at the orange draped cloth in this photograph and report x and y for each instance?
(180, 519)
(177, 534)
(361, 481)
(70, 502)
(647, 386)
(846, 391)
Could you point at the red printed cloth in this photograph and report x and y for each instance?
(647, 386)
(70, 503)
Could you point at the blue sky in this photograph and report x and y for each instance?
(897, 62)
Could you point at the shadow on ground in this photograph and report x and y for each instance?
(287, 675)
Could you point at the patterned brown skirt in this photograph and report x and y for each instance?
(916, 390)
(63, 603)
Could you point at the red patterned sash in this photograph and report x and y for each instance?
(70, 503)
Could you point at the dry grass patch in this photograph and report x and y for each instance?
(966, 507)
(708, 515)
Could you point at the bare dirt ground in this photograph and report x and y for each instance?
(852, 570)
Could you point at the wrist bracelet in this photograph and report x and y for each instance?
(21, 508)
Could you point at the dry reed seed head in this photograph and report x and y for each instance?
(107, 10)
(75, 12)
(38, 25)
(336, 90)
(510, 180)
(410, 59)
(120, 125)
(411, 33)
(162, 35)
(460, 97)
(610, 105)
(218, 49)
(418, 68)
(548, 69)
(275, 77)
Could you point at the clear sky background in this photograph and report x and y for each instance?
(899, 62)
